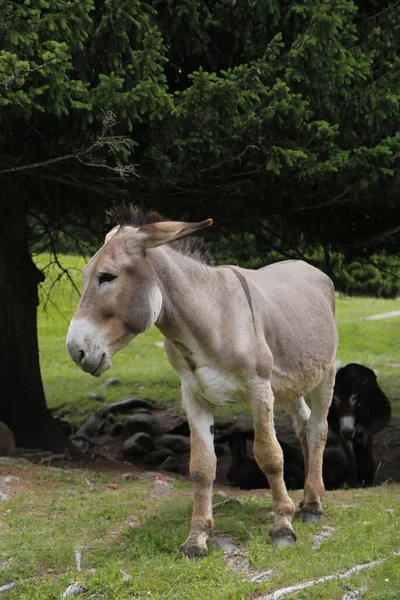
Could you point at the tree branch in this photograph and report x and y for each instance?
(37, 165)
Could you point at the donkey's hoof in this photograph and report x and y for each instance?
(282, 537)
(193, 550)
(310, 516)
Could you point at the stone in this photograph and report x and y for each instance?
(222, 425)
(8, 460)
(112, 382)
(181, 429)
(7, 442)
(73, 590)
(179, 444)
(117, 429)
(140, 422)
(138, 444)
(174, 465)
(97, 397)
(325, 533)
(219, 449)
(157, 456)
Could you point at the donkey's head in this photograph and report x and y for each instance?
(121, 295)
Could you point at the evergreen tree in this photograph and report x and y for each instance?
(77, 79)
(285, 119)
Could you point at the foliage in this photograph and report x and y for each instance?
(248, 110)
(286, 111)
(76, 78)
(377, 275)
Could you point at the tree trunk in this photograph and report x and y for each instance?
(22, 401)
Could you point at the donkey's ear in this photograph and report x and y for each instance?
(111, 233)
(163, 232)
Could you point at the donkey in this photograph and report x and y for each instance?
(359, 410)
(232, 334)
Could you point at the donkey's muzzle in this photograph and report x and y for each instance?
(88, 349)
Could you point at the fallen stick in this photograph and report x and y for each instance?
(78, 558)
(6, 587)
(301, 586)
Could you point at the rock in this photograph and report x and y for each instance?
(219, 449)
(181, 429)
(126, 476)
(106, 425)
(325, 533)
(177, 443)
(138, 444)
(117, 429)
(124, 406)
(66, 426)
(4, 497)
(174, 465)
(7, 442)
(7, 460)
(223, 541)
(82, 443)
(10, 479)
(140, 422)
(73, 590)
(157, 456)
(222, 425)
(97, 397)
(112, 382)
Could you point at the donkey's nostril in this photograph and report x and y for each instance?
(81, 355)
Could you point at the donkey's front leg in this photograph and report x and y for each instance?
(202, 470)
(269, 456)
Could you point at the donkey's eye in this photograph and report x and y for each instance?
(106, 278)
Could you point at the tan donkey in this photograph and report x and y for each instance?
(232, 334)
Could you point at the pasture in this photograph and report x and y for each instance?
(115, 530)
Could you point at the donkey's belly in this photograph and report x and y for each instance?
(288, 386)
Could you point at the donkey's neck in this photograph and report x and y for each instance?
(189, 289)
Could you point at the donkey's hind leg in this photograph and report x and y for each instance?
(316, 432)
(202, 470)
(269, 456)
(299, 412)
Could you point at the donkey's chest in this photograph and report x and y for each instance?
(215, 385)
(207, 378)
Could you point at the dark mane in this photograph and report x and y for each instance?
(192, 246)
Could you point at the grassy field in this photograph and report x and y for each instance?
(127, 529)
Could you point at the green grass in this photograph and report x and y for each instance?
(54, 512)
(128, 534)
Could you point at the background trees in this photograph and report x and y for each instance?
(279, 119)
(76, 80)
